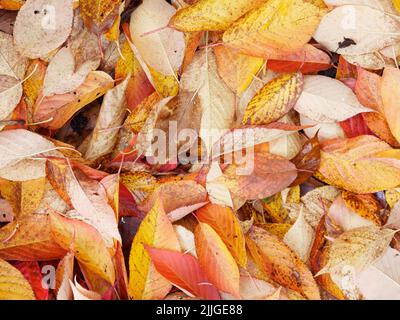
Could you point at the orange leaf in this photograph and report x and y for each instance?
(87, 244)
(216, 260)
(225, 222)
(183, 270)
(29, 239)
(307, 60)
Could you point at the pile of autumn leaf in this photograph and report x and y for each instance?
(86, 210)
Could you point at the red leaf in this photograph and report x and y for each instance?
(355, 127)
(32, 273)
(183, 270)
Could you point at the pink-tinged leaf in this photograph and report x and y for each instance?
(183, 270)
(260, 175)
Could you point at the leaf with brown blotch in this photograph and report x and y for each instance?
(284, 25)
(55, 111)
(274, 100)
(361, 165)
(86, 242)
(13, 285)
(259, 176)
(372, 31)
(99, 15)
(157, 231)
(225, 222)
(357, 248)
(211, 15)
(29, 239)
(216, 260)
(307, 161)
(281, 263)
(31, 29)
(175, 267)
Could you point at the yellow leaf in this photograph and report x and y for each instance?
(34, 83)
(392, 197)
(216, 260)
(238, 70)
(396, 4)
(285, 25)
(99, 15)
(364, 164)
(145, 283)
(274, 208)
(277, 229)
(166, 86)
(274, 100)
(13, 285)
(32, 193)
(113, 33)
(212, 15)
